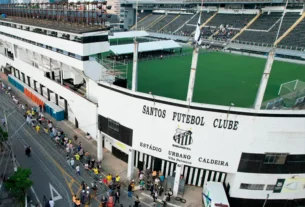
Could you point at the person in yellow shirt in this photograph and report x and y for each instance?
(37, 128)
(109, 178)
(77, 157)
(117, 178)
(95, 170)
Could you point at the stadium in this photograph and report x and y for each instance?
(244, 123)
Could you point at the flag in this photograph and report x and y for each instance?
(198, 32)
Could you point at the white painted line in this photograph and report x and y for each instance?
(53, 190)
(159, 200)
(37, 199)
(32, 189)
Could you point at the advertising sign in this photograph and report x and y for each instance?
(279, 185)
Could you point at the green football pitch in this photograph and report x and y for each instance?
(221, 78)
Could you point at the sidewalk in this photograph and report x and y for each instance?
(110, 163)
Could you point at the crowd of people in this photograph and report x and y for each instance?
(153, 181)
(76, 156)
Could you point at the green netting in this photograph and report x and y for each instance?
(292, 94)
(291, 86)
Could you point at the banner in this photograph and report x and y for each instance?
(279, 185)
(293, 185)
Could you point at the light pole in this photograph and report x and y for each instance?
(266, 200)
(137, 4)
(9, 142)
(232, 104)
(153, 97)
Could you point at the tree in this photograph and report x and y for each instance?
(19, 183)
(3, 138)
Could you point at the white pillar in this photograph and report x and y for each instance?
(177, 179)
(264, 81)
(130, 168)
(99, 146)
(190, 89)
(134, 86)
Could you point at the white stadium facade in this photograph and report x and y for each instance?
(251, 151)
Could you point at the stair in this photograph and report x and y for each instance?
(215, 33)
(155, 22)
(140, 21)
(185, 23)
(206, 22)
(290, 29)
(247, 26)
(169, 23)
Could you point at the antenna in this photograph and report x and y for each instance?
(137, 4)
(278, 31)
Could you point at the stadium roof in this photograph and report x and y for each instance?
(131, 34)
(145, 47)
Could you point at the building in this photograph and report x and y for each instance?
(254, 153)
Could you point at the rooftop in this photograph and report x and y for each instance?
(68, 27)
(145, 47)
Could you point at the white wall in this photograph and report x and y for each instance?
(254, 134)
(66, 45)
(237, 11)
(266, 179)
(48, 53)
(84, 110)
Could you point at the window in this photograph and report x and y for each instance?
(252, 186)
(113, 125)
(278, 159)
(270, 187)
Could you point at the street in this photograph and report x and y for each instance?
(51, 174)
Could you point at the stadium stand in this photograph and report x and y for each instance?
(204, 17)
(225, 26)
(236, 21)
(163, 22)
(266, 21)
(261, 33)
(146, 23)
(295, 39)
(142, 15)
(190, 26)
(183, 18)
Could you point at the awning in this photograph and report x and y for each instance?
(131, 34)
(145, 47)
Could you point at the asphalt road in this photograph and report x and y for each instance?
(51, 175)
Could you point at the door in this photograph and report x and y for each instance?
(157, 164)
(119, 154)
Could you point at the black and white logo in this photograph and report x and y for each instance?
(183, 137)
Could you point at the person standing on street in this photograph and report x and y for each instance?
(137, 202)
(77, 157)
(77, 168)
(37, 128)
(129, 190)
(72, 162)
(117, 197)
(104, 201)
(51, 202)
(155, 196)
